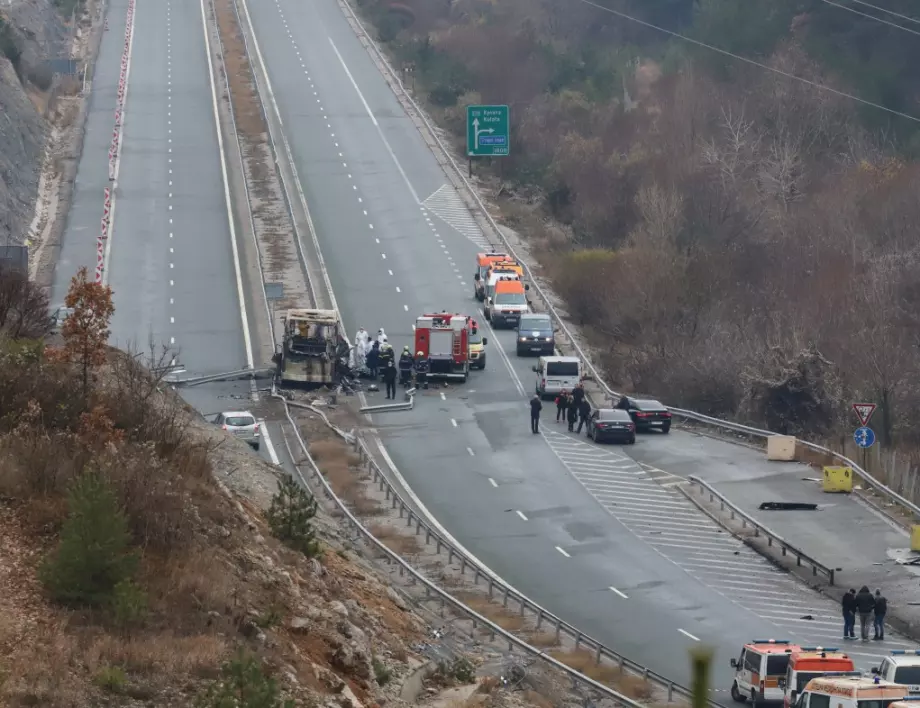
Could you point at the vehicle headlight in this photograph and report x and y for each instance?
(522, 339)
(549, 339)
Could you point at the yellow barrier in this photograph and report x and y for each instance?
(838, 479)
(915, 538)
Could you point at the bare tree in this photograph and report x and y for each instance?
(23, 306)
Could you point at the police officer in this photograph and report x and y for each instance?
(421, 370)
(405, 366)
(389, 378)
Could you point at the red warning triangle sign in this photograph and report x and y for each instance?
(864, 411)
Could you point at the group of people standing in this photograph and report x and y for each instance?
(868, 607)
(376, 358)
(572, 407)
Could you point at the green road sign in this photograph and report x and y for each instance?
(487, 131)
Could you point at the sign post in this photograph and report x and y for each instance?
(487, 132)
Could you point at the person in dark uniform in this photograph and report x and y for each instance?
(389, 377)
(578, 393)
(373, 359)
(572, 410)
(421, 370)
(584, 410)
(536, 405)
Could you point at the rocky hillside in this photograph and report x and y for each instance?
(31, 33)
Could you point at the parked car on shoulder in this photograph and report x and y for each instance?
(646, 413)
(535, 335)
(58, 315)
(611, 424)
(241, 425)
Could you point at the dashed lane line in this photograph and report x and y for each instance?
(650, 508)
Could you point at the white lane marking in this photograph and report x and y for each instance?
(522, 515)
(470, 450)
(453, 422)
(406, 308)
(247, 342)
(443, 397)
(376, 124)
(383, 255)
(562, 551)
(268, 442)
(399, 291)
(390, 272)
(687, 634)
(620, 593)
(493, 482)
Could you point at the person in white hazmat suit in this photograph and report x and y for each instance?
(381, 336)
(359, 352)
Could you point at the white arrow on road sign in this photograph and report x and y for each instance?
(864, 411)
(477, 132)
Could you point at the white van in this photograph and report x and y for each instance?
(831, 691)
(555, 373)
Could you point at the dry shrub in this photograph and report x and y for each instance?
(344, 481)
(165, 653)
(38, 463)
(396, 540)
(502, 616)
(583, 662)
(328, 451)
(532, 698)
(542, 639)
(634, 687)
(473, 701)
(366, 507)
(488, 684)
(41, 673)
(202, 577)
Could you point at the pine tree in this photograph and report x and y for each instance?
(94, 554)
(243, 684)
(289, 516)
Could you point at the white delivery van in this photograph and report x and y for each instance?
(557, 373)
(901, 667)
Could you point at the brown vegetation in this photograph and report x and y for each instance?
(733, 241)
(585, 662)
(491, 610)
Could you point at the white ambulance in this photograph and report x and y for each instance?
(833, 691)
(901, 667)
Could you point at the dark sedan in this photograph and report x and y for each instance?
(613, 425)
(647, 414)
(535, 335)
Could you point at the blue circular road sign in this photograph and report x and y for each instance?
(864, 437)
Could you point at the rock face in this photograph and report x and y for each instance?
(31, 32)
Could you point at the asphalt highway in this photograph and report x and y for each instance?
(171, 263)
(396, 247)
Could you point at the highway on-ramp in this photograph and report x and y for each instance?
(585, 531)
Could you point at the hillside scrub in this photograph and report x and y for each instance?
(129, 572)
(732, 241)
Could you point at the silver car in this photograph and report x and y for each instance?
(58, 315)
(242, 425)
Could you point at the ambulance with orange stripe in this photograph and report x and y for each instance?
(849, 691)
(808, 663)
(759, 669)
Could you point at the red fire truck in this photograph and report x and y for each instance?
(445, 339)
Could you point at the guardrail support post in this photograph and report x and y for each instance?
(597, 656)
(670, 692)
(558, 629)
(831, 576)
(577, 640)
(505, 598)
(462, 565)
(450, 555)
(408, 518)
(491, 587)
(427, 537)
(539, 618)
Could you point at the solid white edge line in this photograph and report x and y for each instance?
(247, 341)
(107, 256)
(522, 515)
(620, 593)
(687, 634)
(269, 447)
(493, 482)
(453, 422)
(563, 552)
(376, 124)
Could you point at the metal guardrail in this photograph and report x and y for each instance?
(223, 376)
(773, 538)
(560, 322)
(430, 588)
(544, 619)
